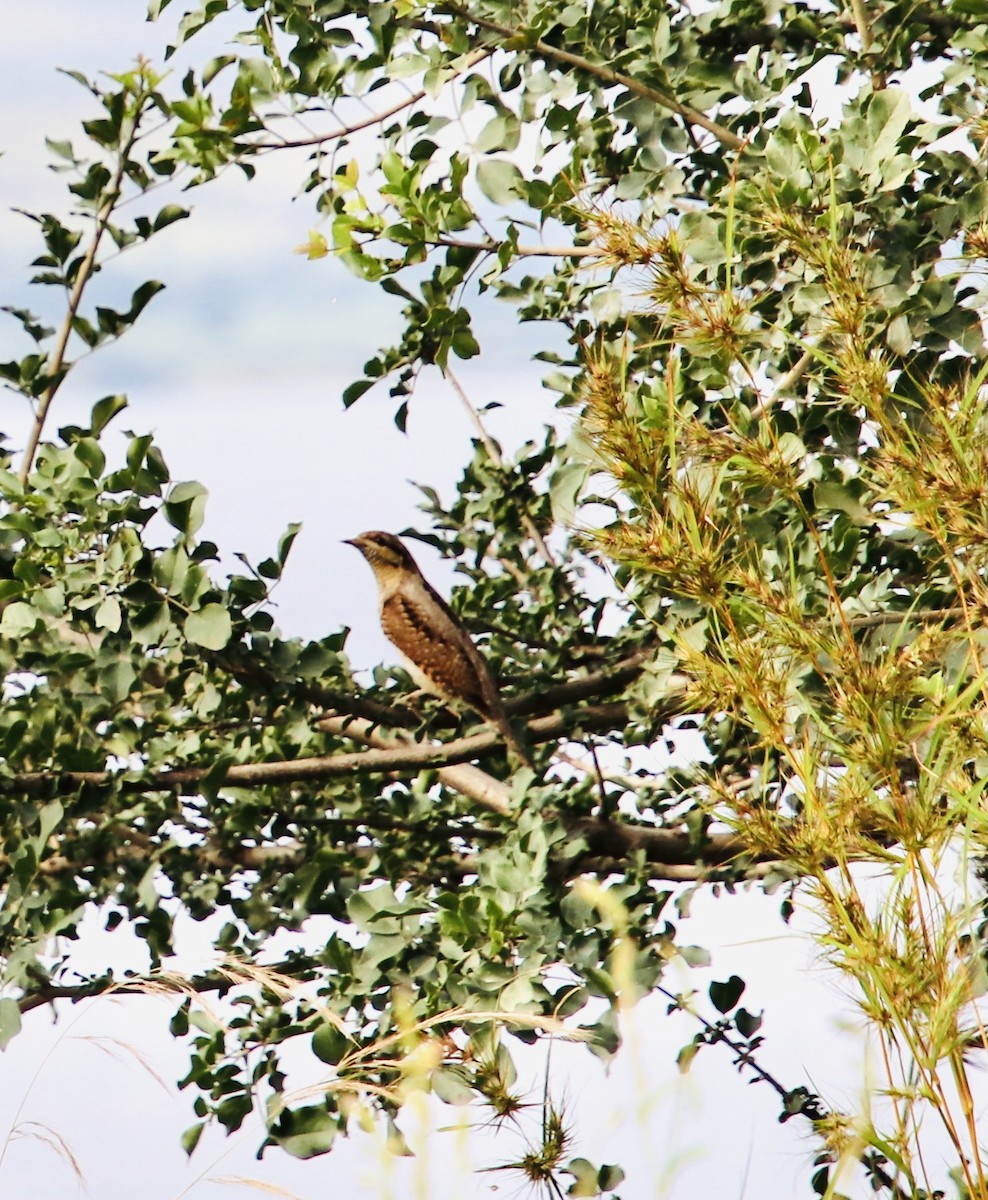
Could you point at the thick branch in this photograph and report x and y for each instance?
(542, 699)
(607, 681)
(862, 23)
(386, 756)
(250, 672)
(468, 780)
(675, 855)
(416, 756)
(671, 854)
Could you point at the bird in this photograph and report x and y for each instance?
(439, 653)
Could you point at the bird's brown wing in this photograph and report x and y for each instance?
(454, 674)
(445, 654)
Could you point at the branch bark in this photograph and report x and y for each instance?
(384, 757)
(411, 756)
(672, 855)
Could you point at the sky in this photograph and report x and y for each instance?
(238, 369)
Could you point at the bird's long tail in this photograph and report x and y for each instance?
(497, 717)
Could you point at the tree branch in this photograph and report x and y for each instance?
(55, 366)
(546, 50)
(170, 983)
(543, 699)
(249, 671)
(468, 780)
(469, 60)
(605, 682)
(863, 24)
(672, 855)
(491, 246)
(414, 756)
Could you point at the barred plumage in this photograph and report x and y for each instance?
(438, 651)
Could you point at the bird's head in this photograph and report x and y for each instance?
(383, 551)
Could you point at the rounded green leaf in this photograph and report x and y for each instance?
(499, 180)
(10, 1021)
(108, 615)
(18, 619)
(210, 627)
(186, 506)
(725, 996)
(305, 1132)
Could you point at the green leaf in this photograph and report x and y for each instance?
(395, 1140)
(191, 1136)
(168, 215)
(49, 819)
(747, 1023)
(305, 1132)
(501, 133)
(286, 541)
(185, 507)
(210, 626)
(19, 619)
(32, 326)
(353, 392)
(464, 344)
(684, 1059)
(10, 1021)
(171, 569)
(500, 180)
(117, 679)
(330, 1043)
(899, 336)
(87, 451)
(889, 111)
(109, 614)
(62, 149)
(150, 624)
(609, 1177)
(584, 1178)
(832, 494)
(725, 996)
(451, 1087)
(104, 411)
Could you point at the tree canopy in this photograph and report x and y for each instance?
(752, 236)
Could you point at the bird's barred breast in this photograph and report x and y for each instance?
(433, 650)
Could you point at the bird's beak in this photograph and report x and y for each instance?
(351, 542)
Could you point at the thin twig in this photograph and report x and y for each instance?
(786, 383)
(869, 620)
(469, 60)
(495, 456)
(545, 50)
(492, 246)
(862, 23)
(56, 362)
